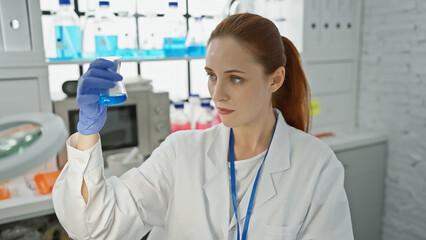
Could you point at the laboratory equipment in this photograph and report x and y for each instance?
(151, 39)
(106, 38)
(143, 121)
(88, 31)
(195, 41)
(67, 32)
(193, 108)
(28, 140)
(179, 120)
(175, 36)
(45, 181)
(4, 191)
(116, 95)
(127, 44)
(205, 119)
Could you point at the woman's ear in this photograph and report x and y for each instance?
(277, 79)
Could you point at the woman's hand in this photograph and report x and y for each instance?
(92, 115)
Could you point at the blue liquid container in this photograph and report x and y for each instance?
(152, 53)
(175, 37)
(175, 46)
(106, 45)
(112, 100)
(67, 32)
(197, 51)
(128, 53)
(117, 94)
(68, 42)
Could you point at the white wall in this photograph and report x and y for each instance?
(393, 99)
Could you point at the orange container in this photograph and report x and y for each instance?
(45, 181)
(4, 191)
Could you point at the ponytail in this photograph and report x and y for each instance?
(293, 97)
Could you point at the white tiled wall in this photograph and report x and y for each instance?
(393, 99)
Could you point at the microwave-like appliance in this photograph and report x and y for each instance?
(143, 121)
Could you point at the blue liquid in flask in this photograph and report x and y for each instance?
(112, 100)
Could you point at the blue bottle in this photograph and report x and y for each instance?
(175, 36)
(67, 32)
(106, 38)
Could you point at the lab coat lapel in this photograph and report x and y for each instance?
(216, 187)
(278, 160)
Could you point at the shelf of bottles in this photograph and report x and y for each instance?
(53, 61)
(98, 33)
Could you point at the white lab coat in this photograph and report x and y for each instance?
(184, 188)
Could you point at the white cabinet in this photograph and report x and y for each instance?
(363, 156)
(24, 85)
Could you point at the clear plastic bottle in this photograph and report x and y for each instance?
(179, 120)
(205, 119)
(88, 31)
(67, 32)
(106, 38)
(151, 40)
(194, 109)
(175, 35)
(195, 41)
(127, 44)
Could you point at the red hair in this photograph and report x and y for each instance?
(262, 38)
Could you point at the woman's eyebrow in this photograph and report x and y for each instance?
(234, 70)
(227, 71)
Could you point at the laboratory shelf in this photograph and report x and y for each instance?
(84, 61)
(26, 203)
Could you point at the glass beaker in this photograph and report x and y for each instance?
(116, 95)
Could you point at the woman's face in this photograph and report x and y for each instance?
(237, 84)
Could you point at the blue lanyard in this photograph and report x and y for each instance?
(253, 191)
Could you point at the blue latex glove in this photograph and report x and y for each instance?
(92, 114)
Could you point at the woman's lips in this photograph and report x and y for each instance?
(224, 111)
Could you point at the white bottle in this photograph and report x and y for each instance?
(195, 41)
(127, 43)
(205, 119)
(178, 119)
(151, 39)
(106, 38)
(88, 31)
(175, 33)
(67, 32)
(194, 108)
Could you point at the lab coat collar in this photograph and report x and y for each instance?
(217, 187)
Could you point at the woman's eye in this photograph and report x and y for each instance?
(236, 79)
(211, 76)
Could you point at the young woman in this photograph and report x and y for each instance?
(258, 175)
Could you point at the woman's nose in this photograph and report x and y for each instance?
(219, 92)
